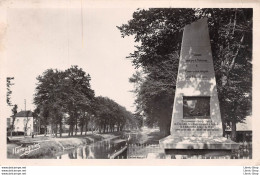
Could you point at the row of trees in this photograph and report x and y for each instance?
(66, 97)
(158, 32)
(9, 92)
(11, 128)
(111, 116)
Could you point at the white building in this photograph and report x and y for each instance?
(23, 122)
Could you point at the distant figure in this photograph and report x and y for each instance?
(8, 140)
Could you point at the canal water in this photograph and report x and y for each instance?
(101, 149)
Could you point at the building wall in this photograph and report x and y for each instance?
(8, 124)
(20, 123)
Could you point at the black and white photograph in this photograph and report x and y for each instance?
(128, 83)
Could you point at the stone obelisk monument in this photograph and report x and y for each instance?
(196, 120)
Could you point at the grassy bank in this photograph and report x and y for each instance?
(51, 146)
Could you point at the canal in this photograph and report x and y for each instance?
(102, 149)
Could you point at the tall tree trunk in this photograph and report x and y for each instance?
(233, 130)
(104, 128)
(76, 124)
(86, 127)
(60, 128)
(12, 127)
(81, 128)
(72, 129)
(92, 129)
(69, 130)
(56, 129)
(224, 129)
(71, 118)
(45, 129)
(221, 105)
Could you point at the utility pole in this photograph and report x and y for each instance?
(24, 104)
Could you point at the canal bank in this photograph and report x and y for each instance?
(90, 146)
(47, 147)
(130, 144)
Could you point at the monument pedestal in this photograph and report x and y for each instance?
(171, 142)
(203, 146)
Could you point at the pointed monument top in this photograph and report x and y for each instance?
(196, 34)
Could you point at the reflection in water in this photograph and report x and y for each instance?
(81, 153)
(71, 155)
(89, 152)
(101, 149)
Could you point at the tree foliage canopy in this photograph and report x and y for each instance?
(158, 32)
(67, 97)
(109, 114)
(9, 91)
(60, 92)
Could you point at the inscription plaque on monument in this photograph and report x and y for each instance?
(196, 107)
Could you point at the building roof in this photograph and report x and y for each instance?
(245, 126)
(24, 114)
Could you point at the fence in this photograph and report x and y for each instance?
(244, 151)
(143, 151)
(140, 151)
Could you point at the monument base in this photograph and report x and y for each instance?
(204, 146)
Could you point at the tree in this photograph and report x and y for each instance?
(159, 33)
(49, 97)
(60, 92)
(14, 112)
(103, 113)
(9, 92)
(155, 93)
(110, 116)
(79, 95)
(9, 102)
(83, 121)
(37, 119)
(231, 40)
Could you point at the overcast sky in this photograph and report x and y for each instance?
(38, 39)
